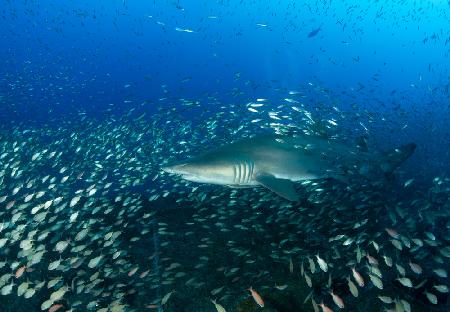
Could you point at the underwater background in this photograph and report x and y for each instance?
(97, 96)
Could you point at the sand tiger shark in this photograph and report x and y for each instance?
(276, 162)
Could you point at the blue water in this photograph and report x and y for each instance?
(391, 59)
(385, 63)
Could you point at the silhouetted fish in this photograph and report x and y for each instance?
(314, 32)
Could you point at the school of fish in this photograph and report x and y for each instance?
(89, 222)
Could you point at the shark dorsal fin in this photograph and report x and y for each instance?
(361, 143)
(283, 187)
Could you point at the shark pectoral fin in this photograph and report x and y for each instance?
(283, 187)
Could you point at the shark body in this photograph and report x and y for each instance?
(276, 162)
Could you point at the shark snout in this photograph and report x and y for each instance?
(167, 169)
(174, 168)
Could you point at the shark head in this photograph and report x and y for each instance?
(201, 170)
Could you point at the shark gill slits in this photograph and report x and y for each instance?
(243, 172)
(237, 173)
(251, 171)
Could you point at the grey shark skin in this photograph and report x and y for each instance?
(275, 162)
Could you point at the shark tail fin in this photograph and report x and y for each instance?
(394, 158)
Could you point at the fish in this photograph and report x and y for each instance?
(257, 297)
(187, 30)
(431, 297)
(358, 278)
(314, 32)
(405, 281)
(55, 307)
(386, 299)
(415, 268)
(352, 287)
(376, 281)
(337, 300)
(166, 298)
(218, 306)
(123, 236)
(281, 287)
(325, 308)
(322, 264)
(393, 233)
(441, 288)
(276, 162)
(440, 272)
(308, 280)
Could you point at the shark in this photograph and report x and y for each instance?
(277, 162)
